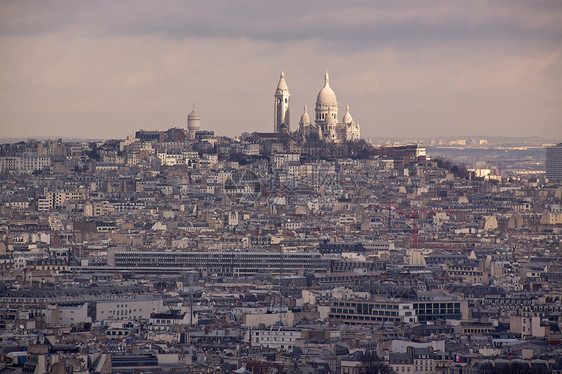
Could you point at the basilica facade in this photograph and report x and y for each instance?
(325, 128)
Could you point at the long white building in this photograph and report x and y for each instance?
(231, 263)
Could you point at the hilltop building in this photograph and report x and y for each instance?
(325, 127)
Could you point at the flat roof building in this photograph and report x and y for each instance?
(231, 263)
(554, 163)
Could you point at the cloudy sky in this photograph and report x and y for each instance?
(103, 69)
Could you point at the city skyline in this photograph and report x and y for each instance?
(106, 70)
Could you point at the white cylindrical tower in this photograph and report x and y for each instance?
(193, 124)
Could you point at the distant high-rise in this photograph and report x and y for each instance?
(554, 163)
(282, 120)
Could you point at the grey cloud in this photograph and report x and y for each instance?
(351, 25)
(479, 63)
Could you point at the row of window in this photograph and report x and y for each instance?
(323, 116)
(421, 306)
(477, 331)
(508, 301)
(470, 273)
(364, 318)
(402, 369)
(406, 369)
(39, 267)
(371, 306)
(440, 312)
(164, 321)
(116, 333)
(373, 312)
(117, 311)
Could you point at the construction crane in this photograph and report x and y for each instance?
(414, 215)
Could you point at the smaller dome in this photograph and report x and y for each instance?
(305, 118)
(193, 115)
(347, 117)
(330, 119)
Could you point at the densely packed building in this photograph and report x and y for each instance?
(182, 251)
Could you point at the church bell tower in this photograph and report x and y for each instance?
(281, 114)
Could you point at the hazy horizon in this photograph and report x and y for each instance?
(434, 69)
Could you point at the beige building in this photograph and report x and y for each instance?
(527, 326)
(131, 308)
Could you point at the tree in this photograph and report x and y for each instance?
(372, 364)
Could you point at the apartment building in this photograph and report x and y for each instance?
(357, 312)
(276, 338)
(128, 308)
(232, 263)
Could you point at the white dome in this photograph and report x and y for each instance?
(330, 118)
(347, 117)
(192, 115)
(305, 118)
(326, 96)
